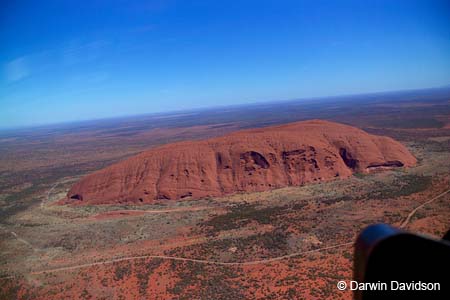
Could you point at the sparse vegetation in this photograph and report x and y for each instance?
(410, 123)
(242, 214)
(122, 270)
(401, 186)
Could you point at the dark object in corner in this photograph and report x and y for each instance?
(385, 254)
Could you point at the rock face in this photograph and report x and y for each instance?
(249, 160)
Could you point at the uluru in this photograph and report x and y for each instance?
(243, 161)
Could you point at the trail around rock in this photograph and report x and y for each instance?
(202, 261)
(48, 194)
(413, 212)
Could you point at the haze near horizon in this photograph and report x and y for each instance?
(70, 61)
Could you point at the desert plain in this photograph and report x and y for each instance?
(291, 242)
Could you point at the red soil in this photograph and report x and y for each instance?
(117, 214)
(132, 213)
(248, 160)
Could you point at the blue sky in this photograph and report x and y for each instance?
(75, 60)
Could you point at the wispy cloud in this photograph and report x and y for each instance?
(54, 59)
(17, 69)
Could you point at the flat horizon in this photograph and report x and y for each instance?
(200, 109)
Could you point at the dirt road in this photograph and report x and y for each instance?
(255, 262)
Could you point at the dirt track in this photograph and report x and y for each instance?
(411, 214)
(255, 262)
